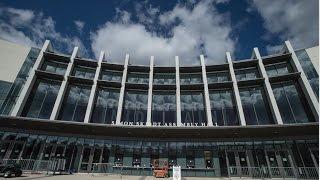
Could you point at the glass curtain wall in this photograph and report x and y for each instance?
(255, 106)
(135, 107)
(75, 103)
(223, 108)
(111, 76)
(292, 104)
(309, 70)
(192, 108)
(278, 69)
(164, 108)
(190, 78)
(54, 67)
(247, 74)
(138, 78)
(218, 77)
(83, 72)
(105, 106)
(164, 78)
(41, 99)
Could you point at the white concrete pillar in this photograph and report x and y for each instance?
(63, 87)
(148, 123)
(236, 91)
(303, 81)
(122, 89)
(30, 81)
(178, 91)
(270, 96)
(93, 89)
(206, 91)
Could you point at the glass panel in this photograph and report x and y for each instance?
(83, 72)
(105, 106)
(164, 78)
(190, 78)
(217, 77)
(292, 104)
(138, 78)
(135, 107)
(247, 74)
(309, 70)
(164, 108)
(279, 69)
(112, 76)
(41, 99)
(223, 108)
(54, 67)
(255, 107)
(192, 109)
(75, 104)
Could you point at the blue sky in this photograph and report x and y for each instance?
(162, 28)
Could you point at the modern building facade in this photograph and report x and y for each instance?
(238, 118)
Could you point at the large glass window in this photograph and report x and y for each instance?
(223, 108)
(247, 74)
(164, 78)
(292, 104)
(135, 107)
(138, 78)
(83, 72)
(255, 106)
(111, 76)
(278, 69)
(19, 82)
(190, 78)
(309, 70)
(105, 106)
(41, 99)
(218, 77)
(75, 103)
(54, 67)
(192, 108)
(164, 108)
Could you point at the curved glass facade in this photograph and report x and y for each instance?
(206, 119)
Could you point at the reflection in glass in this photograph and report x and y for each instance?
(190, 78)
(163, 108)
(75, 103)
(223, 108)
(54, 67)
(105, 106)
(309, 70)
(83, 72)
(135, 107)
(218, 77)
(111, 76)
(278, 69)
(291, 103)
(41, 99)
(247, 74)
(192, 108)
(164, 78)
(255, 106)
(138, 78)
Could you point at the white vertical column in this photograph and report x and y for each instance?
(206, 91)
(178, 91)
(30, 81)
(63, 87)
(270, 96)
(123, 84)
(150, 92)
(236, 90)
(93, 89)
(303, 81)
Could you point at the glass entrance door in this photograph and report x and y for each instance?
(90, 156)
(17, 150)
(4, 147)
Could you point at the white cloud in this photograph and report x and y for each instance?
(295, 20)
(29, 28)
(79, 24)
(200, 29)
